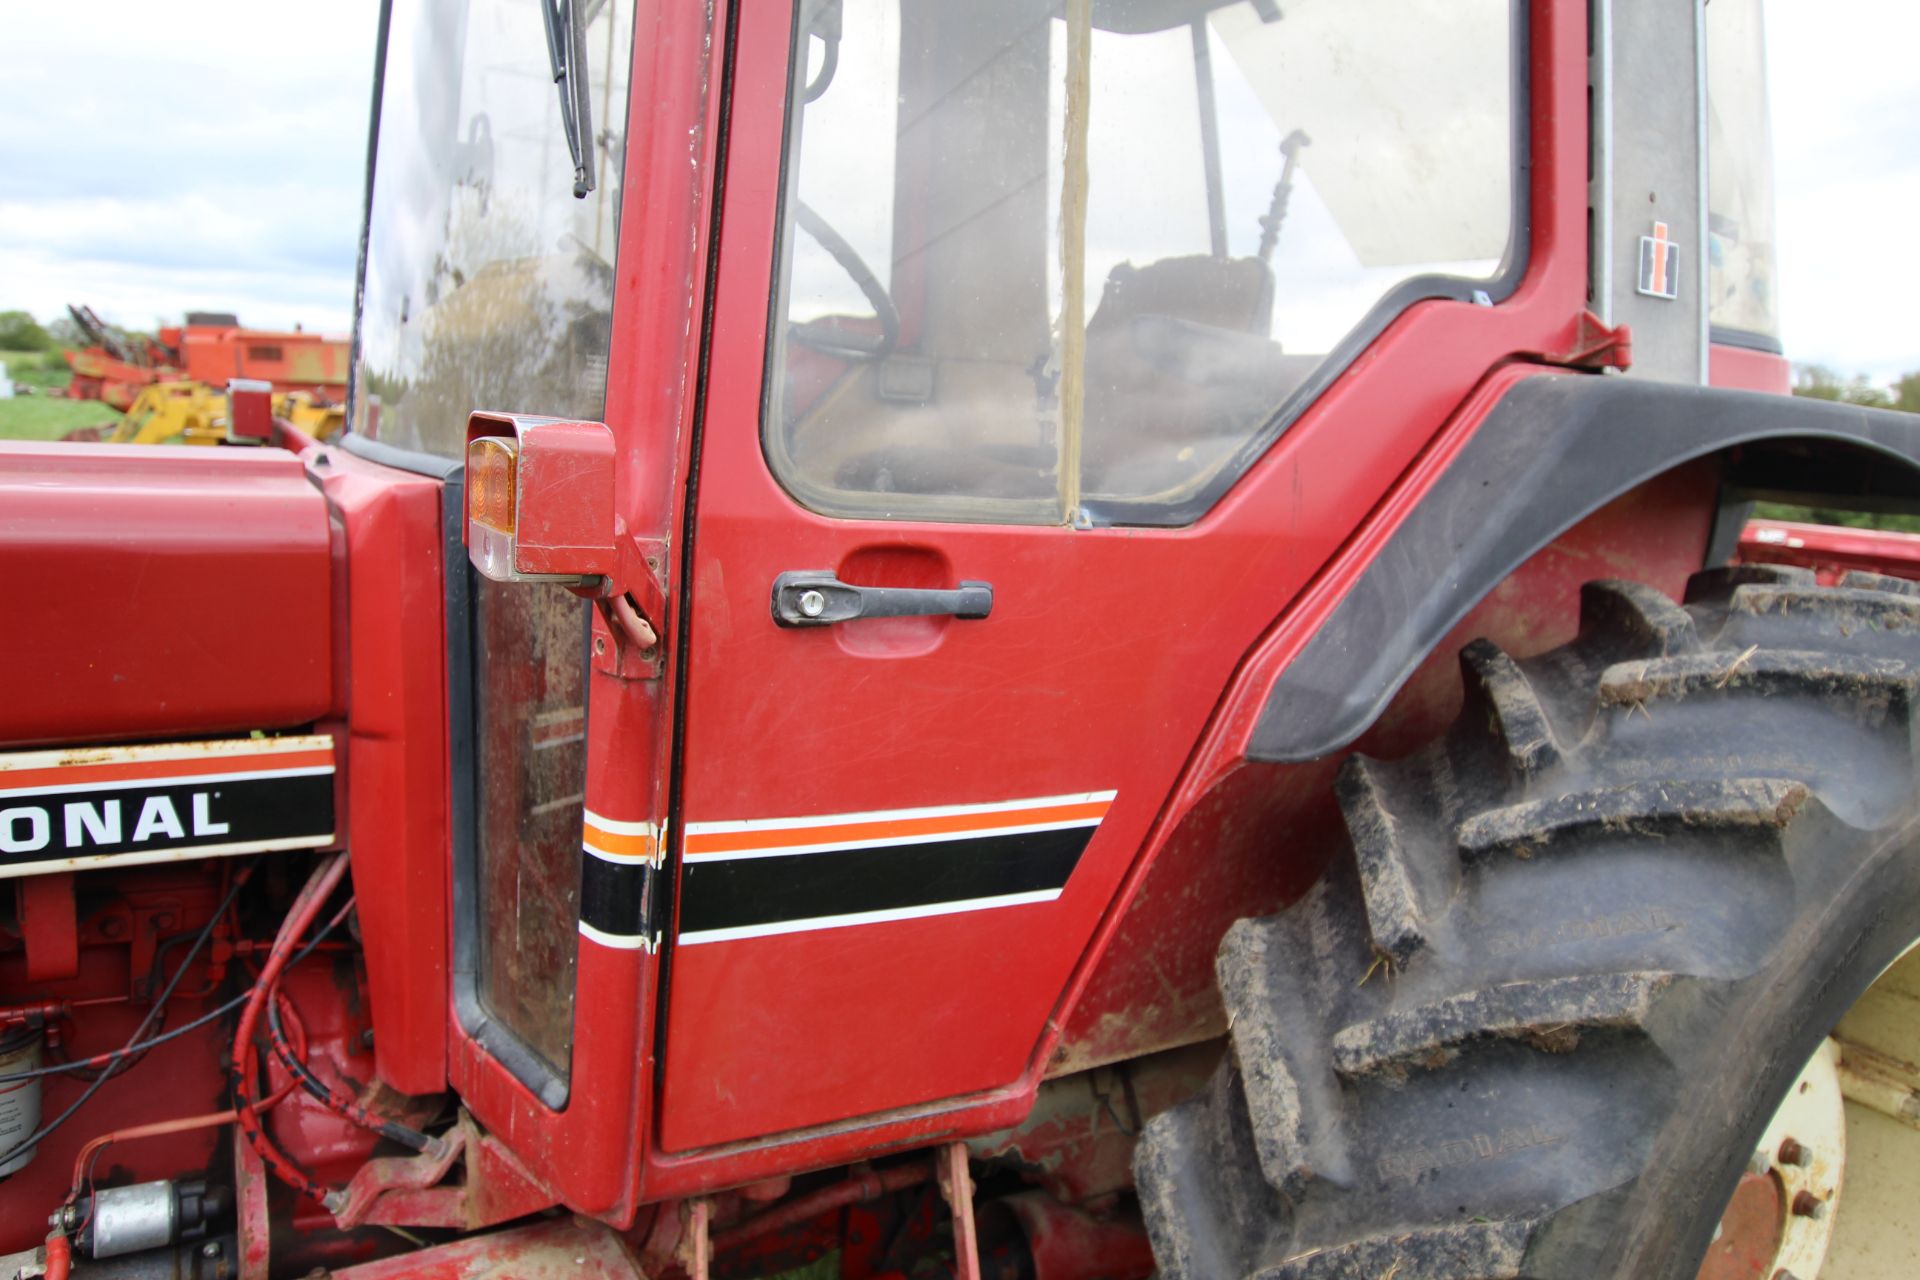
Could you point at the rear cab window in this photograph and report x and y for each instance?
(1743, 306)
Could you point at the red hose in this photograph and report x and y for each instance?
(159, 1129)
(166, 1128)
(313, 895)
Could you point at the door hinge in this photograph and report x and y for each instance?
(629, 618)
(626, 643)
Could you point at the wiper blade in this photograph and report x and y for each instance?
(567, 55)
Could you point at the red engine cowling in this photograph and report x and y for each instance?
(180, 622)
(160, 592)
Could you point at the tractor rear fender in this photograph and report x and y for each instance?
(1542, 480)
(1552, 451)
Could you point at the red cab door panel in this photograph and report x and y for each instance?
(898, 835)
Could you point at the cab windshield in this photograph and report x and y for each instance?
(488, 285)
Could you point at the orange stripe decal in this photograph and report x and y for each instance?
(92, 773)
(621, 846)
(891, 828)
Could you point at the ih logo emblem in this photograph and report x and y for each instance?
(1659, 264)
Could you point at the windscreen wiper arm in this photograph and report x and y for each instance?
(567, 55)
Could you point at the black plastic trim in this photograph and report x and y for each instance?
(420, 464)
(1729, 520)
(366, 203)
(1551, 452)
(1746, 340)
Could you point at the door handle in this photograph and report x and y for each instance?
(816, 598)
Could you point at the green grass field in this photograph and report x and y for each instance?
(41, 415)
(1893, 521)
(42, 370)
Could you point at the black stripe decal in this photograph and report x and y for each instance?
(785, 888)
(616, 898)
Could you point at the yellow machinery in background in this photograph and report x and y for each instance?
(195, 413)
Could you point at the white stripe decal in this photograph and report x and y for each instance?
(865, 917)
(85, 757)
(614, 827)
(894, 815)
(654, 859)
(883, 842)
(80, 783)
(174, 854)
(618, 941)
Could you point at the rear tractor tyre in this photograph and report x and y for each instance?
(1537, 1025)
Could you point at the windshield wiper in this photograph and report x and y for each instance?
(567, 54)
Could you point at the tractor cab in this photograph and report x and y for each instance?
(809, 362)
(987, 279)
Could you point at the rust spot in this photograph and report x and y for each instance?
(1789, 805)
(1564, 1038)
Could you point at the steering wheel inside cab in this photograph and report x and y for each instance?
(837, 335)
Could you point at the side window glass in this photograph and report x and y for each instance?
(1740, 241)
(1044, 268)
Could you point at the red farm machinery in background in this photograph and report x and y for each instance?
(211, 348)
(1831, 552)
(1056, 640)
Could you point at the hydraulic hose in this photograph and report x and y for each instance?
(313, 895)
(334, 1098)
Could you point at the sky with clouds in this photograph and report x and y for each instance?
(161, 158)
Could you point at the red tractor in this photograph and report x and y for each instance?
(1039, 638)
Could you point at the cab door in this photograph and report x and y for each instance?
(1024, 419)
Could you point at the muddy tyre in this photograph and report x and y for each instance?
(1535, 1024)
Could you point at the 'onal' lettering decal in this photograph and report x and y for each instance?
(64, 810)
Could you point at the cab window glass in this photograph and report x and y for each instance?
(488, 285)
(970, 326)
(1740, 225)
